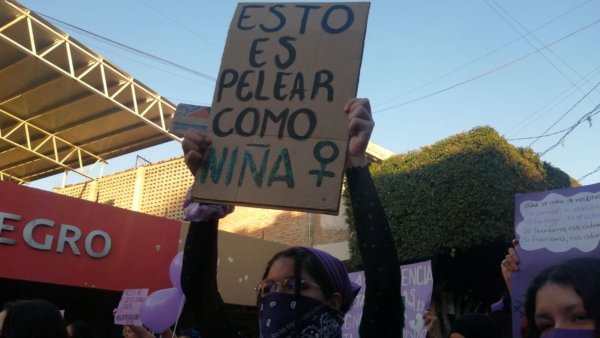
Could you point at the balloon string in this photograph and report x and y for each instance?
(179, 315)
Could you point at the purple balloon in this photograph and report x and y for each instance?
(175, 270)
(161, 309)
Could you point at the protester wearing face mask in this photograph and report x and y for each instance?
(324, 295)
(563, 301)
(305, 292)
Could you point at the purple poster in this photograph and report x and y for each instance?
(552, 226)
(353, 316)
(416, 287)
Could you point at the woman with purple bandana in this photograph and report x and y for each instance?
(305, 292)
(563, 301)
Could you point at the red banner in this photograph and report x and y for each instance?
(51, 238)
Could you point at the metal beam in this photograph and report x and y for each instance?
(10, 178)
(104, 68)
(38, 40)
(58, 145)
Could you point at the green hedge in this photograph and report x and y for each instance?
(458, 193)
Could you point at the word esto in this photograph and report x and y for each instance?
(244, 22)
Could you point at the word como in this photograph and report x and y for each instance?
(68, 235)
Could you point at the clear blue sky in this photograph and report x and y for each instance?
(483, 71)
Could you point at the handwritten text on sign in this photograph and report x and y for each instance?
(277, 121)
(128, 312)
(552, 226)
(416, 287)
(560, 223)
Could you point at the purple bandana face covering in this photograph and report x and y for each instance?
(277, 317)
(569, 333)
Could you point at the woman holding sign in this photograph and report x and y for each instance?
(304, 292)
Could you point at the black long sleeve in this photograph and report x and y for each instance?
(199, 282)
(383, 310)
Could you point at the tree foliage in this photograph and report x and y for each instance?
(454, 201)
(459, 192)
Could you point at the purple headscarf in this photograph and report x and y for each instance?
(338, 276)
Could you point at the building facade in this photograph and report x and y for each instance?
(159, 189)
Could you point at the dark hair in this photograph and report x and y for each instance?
(303, 258)
(581, 274)
(81, 329)
(476, 325)
(35, 318)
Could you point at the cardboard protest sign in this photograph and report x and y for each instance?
(552, 226)
(416, 287)
(128, 312)
(188, 116)
(277, 121)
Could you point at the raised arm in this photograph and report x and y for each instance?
(383, 311)
(204, 304)
(509, 265)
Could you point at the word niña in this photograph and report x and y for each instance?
(228, 161)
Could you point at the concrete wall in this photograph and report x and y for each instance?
(159, 189)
